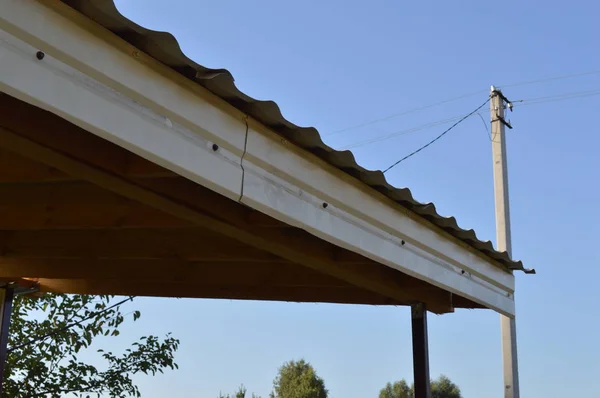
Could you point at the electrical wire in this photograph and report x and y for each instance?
(522, 102)
(560, 97)
(485, 125)
(593, 72)
(394, 115)
(401, 132)
(55, 331)
(438, 137)
(528, 101)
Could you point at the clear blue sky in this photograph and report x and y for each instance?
(333, 64)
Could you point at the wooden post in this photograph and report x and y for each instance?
(420, 351)
(6, 301)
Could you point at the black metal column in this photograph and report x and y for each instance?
(420, 350)
(6, 302)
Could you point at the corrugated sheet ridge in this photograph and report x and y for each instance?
(165, 48)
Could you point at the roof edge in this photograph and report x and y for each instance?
(165, 48)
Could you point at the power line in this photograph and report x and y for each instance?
(438, 137)
(62, 329)
(593, 72)
(402, 132)
(560, 97)
(485, 125)
(394, 115)
(521, 102)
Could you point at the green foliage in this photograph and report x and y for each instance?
(50, 367)
(399, 389)
(440, 388)
(241, 393)
(298, 379)
(444, 388)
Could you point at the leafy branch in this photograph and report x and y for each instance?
(48, 333)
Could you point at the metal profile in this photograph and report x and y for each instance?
(164, 47)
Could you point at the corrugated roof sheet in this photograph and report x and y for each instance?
(165, 48)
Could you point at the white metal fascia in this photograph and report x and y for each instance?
(102, 84)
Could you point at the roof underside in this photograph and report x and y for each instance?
(165, 48)
(75, 216)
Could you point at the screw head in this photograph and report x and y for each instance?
(40, 55)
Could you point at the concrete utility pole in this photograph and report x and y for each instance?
(508, 325)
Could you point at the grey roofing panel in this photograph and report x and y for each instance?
(165, 48)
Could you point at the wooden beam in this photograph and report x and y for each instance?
(75, 205)
(169, 271)
(200, 275)
(66, 202)
(345, 295)
(302, 249)
(18, 169)
(191, 244)
(17, 116)
(194, 244)
(6, 303)
(170, 245)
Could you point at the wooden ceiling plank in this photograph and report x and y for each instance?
(193, 244)
(311, 252)
(75, 205)
(17, 169)
(199, 274)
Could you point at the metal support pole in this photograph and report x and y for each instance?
(6, 301)
(420, 351)
(508, 325)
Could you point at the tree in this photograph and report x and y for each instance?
(444, 388)
(47, 334)
(440, 388)
(241, 393)
(399, 389)
(298, 379)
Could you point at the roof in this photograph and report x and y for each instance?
(164, 47)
